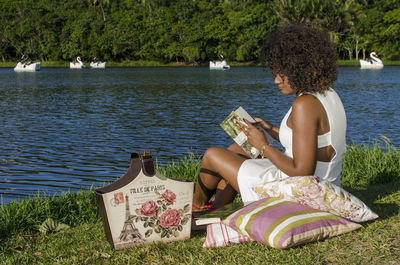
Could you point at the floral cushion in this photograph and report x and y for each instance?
(220, 235)
(282, 224)
(321, 195)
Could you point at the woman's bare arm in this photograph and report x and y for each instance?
(271, 129)
(304, 121)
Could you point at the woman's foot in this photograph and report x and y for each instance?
(198, 211)
(202, 208)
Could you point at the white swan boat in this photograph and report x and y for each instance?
(78, 64)
(98, 65)
(26, 66)
(219, 65)
(373, 63)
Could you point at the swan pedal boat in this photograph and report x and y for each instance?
(77, 65)
(98, 65)
(22, 67)
(219, 65)
(373, 63)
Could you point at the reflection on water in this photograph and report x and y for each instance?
(68, 129)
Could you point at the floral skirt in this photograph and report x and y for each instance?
(256, 172)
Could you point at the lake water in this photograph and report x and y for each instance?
(65, 129)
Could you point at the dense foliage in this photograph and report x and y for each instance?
(192, 31)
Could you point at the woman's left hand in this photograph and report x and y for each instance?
(254, 135)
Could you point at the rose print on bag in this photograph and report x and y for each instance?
(170, 218)
(159, 216)
(148, 209)
(169, 196)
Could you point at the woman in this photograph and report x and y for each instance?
(303, 61)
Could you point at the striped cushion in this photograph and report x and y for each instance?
(220, 235)
(279, 223)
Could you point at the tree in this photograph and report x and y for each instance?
(250, 26)
(353, 12)
(182, 30)
(191, 54)
(102, 4)
(369, 28)
(305, 11)
(391, 33)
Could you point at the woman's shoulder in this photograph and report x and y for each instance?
(305, 101)
(307, 106)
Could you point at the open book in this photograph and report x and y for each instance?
(233, 130)
(215, 216)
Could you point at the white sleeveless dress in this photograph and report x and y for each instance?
(254, 172)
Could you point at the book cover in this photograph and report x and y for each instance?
(231, 127)
(219, 214)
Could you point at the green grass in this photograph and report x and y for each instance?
(127, 63)
(357, 63)
(24, 216)
(65, 64)
(371, 172)
(139, 63)
(369, 164)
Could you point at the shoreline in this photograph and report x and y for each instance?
(140, 63)
(357, 154)
(370, 173)
(382, 152)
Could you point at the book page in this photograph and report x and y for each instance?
(244, 115)
(233, 130)
(241, 112)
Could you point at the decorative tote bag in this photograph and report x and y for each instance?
(144, 206)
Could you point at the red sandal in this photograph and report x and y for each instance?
(205, 207)
(202, 210)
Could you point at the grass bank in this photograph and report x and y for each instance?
(357, 63)
(140, 63)
(127, 63)
(371, 172)
(65, 64)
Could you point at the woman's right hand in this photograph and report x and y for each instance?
(265, 125)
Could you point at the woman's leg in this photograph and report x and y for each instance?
(219, 164)
(224, 194)
(238, 150)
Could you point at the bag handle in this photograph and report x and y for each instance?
(147, 163)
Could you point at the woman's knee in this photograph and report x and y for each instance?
(211, 154)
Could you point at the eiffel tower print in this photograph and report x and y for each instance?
(129, 232)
